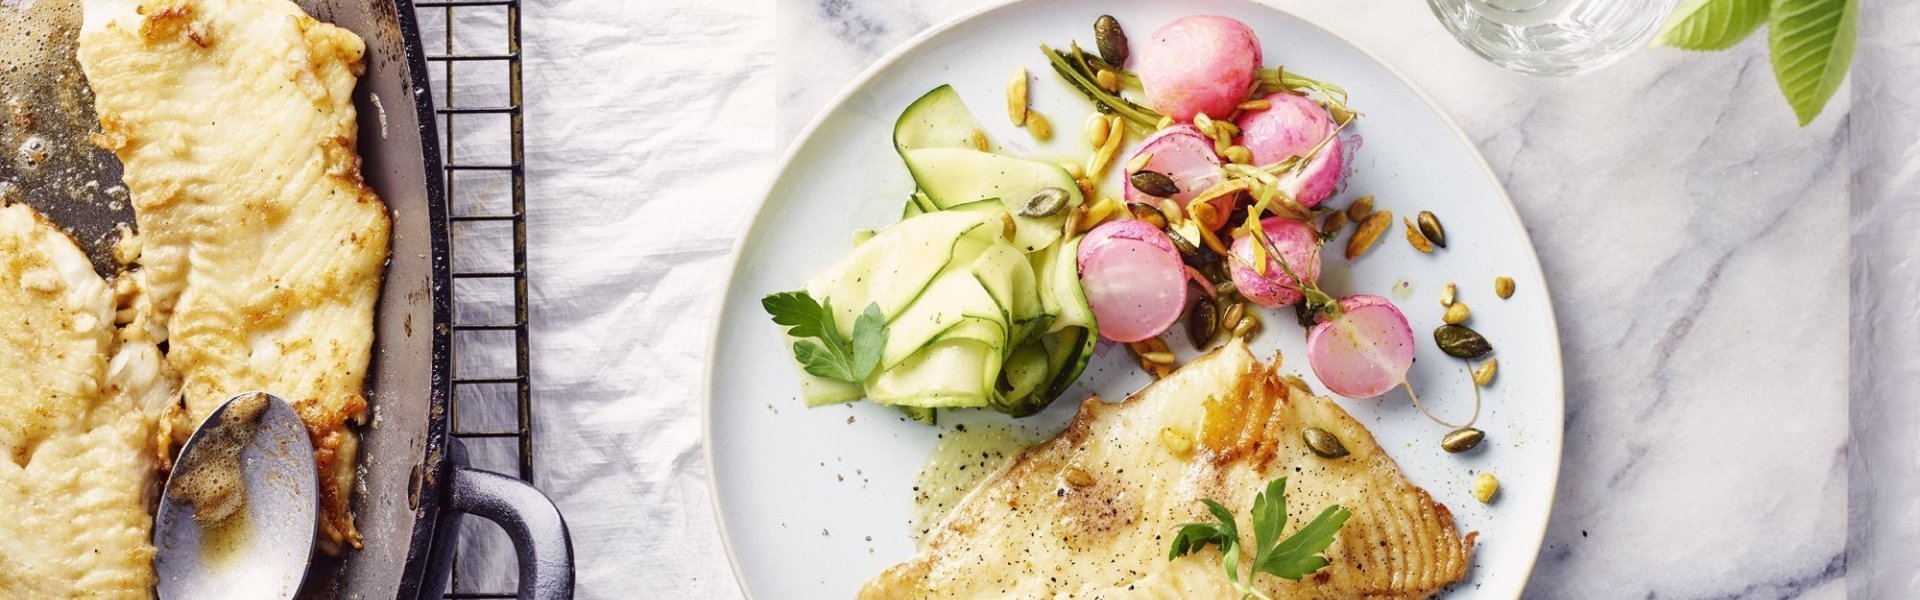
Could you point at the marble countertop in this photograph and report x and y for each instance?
(1695, 238)
(1696, 243)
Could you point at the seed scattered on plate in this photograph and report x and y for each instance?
(1017, 97)
(1456, 314)
(1039, 127)
(1483, 374)
(1096, 126)
(1430, 227)
(1335, 221)
(1369, 232)
(1446, 294)
(1361, 207)
(1503, 287)
(1462, 440)
(1323, 443)
(1485, 487)
(980, 140)
(1418, 241)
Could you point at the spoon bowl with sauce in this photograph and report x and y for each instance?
(237, 516)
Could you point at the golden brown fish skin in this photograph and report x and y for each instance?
(1029, 532)
(262, 249)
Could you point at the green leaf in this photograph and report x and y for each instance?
(1811, 43)
(869, 337)
(1299, 555)
(1712, 24)
(807, 317)
(1269, 517)
(823, 362)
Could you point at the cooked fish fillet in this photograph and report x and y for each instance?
(1029, 532)
(261, 250)
(76, 427)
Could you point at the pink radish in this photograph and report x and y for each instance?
(1123, 229)
(1293, 126)
(1297, 243)
(1136, 289)
(1197, 64)
(1362, 350)
(1186, 156)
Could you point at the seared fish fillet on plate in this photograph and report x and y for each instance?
(260, 250)
(1219, 428)
(77, 412)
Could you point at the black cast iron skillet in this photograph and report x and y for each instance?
(414, 486)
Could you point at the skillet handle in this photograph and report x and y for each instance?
(540, 538)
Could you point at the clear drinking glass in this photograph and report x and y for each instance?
(1552, 37)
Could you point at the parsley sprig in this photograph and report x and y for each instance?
(1291, 558)
(828, 354)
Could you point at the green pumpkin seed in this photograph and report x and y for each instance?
(1203, 320)
(1153, 183)
(1336, 221)
(1111, 40)
(1462, 440)
(1430, 227)
(1324, 443)
(1148, 214)
(1361, 207)
(1503, 287)
(1459, 341)
(1044, 203)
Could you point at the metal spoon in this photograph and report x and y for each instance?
(237, 517)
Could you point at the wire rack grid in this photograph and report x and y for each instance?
(474, 62)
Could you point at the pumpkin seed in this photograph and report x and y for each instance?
(1418, 241)
(1334, 222)
(1459, 341)
(1017, 97)
(1039, 127)
(1008, 228)
(1203, 319)
(1485, 487)
(1097, 129)
(1249, 326)
(1462, 440)
(1430, 227)
(1235, 312)
(1138, 162)
(1446, 294)
(1107, 80)
(1203, 123)
(1148, 214)
(1255, 104)
(1361, 207)
(1111, 39)
(1369, 232)
(1456, 313)
(1323, 443)
(980, 140)
(1078, 477)
(1484, 374)
(1045, 203)
(1177, 441)
(1503, 287)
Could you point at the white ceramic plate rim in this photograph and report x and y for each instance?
(893, 56)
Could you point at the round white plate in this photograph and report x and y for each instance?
(814, 502)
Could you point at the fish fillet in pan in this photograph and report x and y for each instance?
(260, 250)
(78, 405)
(1219, 428)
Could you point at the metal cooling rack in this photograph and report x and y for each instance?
(486, 194)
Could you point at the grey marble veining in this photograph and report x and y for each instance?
(1696, 242)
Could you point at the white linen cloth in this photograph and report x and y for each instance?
(653, 126)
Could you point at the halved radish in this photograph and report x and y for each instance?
(1186, 156)
(1363, 351)
(1123, 229)
(1292, 126)
(1136, 289)
(1201, 63)
(1297, 243)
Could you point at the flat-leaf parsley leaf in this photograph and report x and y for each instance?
(1293, 558)
(828, 354)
